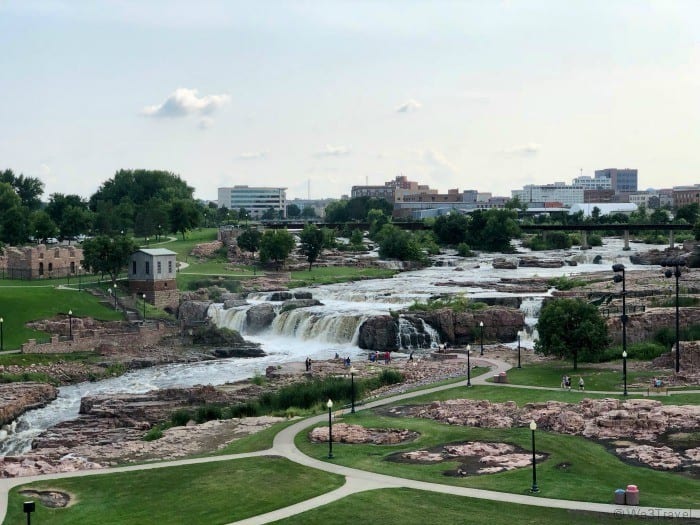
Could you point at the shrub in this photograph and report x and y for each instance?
(208, 412)
(463, 250)
(457, 303)
(153, 434)
(644, 351)
(565, 283)
(180, 417)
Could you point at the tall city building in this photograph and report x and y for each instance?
(621, 180)
(255, 200)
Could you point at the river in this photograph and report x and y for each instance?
(318, 332)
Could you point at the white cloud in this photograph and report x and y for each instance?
(409, 106)
(333, 151)
(252, 155)
(184, 101)
(438, 161)
(526, 150)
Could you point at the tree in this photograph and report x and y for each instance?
(107, 255)
(270, 214)
(395, 243)
(293, 211)
(28, 189)
(184, 215)
(70, 213)
(571, 328)
(312, 241)
(689, 213)
(276, 245)
(377, 220)
(249, 240)
(451, 229)
(308, 213)
(501, 226)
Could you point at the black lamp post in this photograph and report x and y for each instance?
(624, 371)
(115, 296)
(144, 307)
(70, 324)
(481, 325)
(2, 340)
(79, 280)
(533, 427)
(519, 351)
(619, 270)
(676, 264)
(29, 507)
(353, 371)
(469, 366)
(330, 429)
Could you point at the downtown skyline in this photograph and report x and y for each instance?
(470, 95)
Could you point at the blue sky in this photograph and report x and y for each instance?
(485, 95)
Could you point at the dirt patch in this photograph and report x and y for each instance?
(474, 457)
(53, 499)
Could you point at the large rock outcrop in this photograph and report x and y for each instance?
(379, 333)
(17, 398)
(259, 317)
(461, 328)
(192, 313)
(642, 327)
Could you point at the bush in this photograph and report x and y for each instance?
(595, 240)
(644, 351)
(208, 412)
(667, 336)
(153, 434)
(458, 303)
(463, 250)
(565, 283)
(180, 417)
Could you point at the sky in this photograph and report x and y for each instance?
(318, 96)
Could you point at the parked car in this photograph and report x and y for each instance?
(51, 240)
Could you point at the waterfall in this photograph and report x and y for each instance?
(415, 333)
(531, 307)
(303, 323)
(233, 318)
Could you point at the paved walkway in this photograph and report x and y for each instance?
(356, 480)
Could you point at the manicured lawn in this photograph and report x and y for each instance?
(550, 374)
(183, 248)
(414, 507)
(210, 493)
(337, 274)
(591, 472)
(21, 305)
(259, 441)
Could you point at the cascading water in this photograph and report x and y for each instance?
(318, 332)
(415, 334)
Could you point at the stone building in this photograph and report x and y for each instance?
(152, 272)
(42, 262)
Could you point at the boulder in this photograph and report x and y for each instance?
(500, 324)
(280, 296)
(259, 317)
(193, 312)
(234, 303)
(379, 333)
(302, 295)
(17, 398)
(501, 263)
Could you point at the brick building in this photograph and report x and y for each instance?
(152, 272)
(42, 262)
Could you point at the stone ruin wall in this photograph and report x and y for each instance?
(41, 262)
(90, 340)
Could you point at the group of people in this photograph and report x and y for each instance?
(566, 383)
(376, 356)
(657, 382)
(308, 364)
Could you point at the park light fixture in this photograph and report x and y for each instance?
(619, 277)
(534, 488)
(2, 341)
(676, 263)
(70, 324)
(624, 371)
(144, 307)
(481, 325)
(469, 366)
(353, 371)
(330, 429)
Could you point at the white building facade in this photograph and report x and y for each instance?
(255, 200)
(557, 192)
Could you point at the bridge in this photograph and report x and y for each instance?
(584, 228)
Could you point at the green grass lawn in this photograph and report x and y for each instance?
(413, 507)
(21, 305)
(183, 248)
(336, 274)
(591, 473)
(550, 374)
(211, 493)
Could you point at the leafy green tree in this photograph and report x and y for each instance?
(184, 216)
(308, 213)
(329, 236)
(451, 229)
(595, 214)
(140, 186)
(74, 221)
(312, 240)
(108, 255)
(293, 211)
(42, 225)
(571, 328)
(276, 245)
(659, 216)
(15, 225)
(377, 219)
(249, 240)
(28, 189)
(690, 213)
(395, 243)
(356, 238)
(501, 226)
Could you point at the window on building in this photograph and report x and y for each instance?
(160, 269)
(41, 268)
(133, 267)
(148, 268)
(50, 267)
(170, 266)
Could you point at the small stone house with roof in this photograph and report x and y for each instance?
(152, 272)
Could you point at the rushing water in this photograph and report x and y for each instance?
(320, 331)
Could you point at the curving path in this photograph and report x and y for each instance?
(356, 480)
